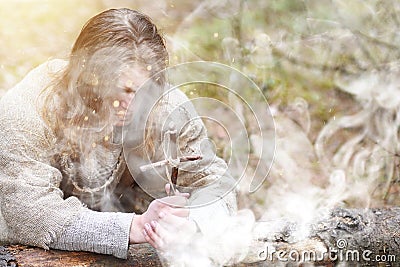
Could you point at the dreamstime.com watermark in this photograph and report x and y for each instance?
(338, 254)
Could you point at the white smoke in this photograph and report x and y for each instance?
(353, 155)
(228, 243)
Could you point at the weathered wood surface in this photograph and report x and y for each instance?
(376, 231)
(139, 255)
(369, 237)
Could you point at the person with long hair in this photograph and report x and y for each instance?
(64, 181)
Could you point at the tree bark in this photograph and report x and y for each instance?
(347, 238)
(139, 255)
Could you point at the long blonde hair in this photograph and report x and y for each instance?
(77, 106)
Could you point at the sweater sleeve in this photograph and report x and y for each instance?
(31, 202)
(32, 205)
(212, 188)
(100, 232)
(213, 193)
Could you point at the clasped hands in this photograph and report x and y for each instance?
(165, 222)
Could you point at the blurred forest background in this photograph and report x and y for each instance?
(328, 68)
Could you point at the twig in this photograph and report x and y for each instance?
(390, 181)
(165, 162)
(297, 61)
(376, 40)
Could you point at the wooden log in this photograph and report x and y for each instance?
(351, 237)
(139, 255)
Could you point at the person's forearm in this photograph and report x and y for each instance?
(100, 232)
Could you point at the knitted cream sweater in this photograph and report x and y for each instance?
(32, 208)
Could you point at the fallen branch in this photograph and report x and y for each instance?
(354, 237)
(369, 237)
(142, 255)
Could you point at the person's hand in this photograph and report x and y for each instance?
(177, 193)
(169, 231)
(172, 205)
(170, 228)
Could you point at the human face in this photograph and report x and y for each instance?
(129, 82)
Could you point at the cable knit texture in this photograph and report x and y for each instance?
(99, 232)
(33, 210)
